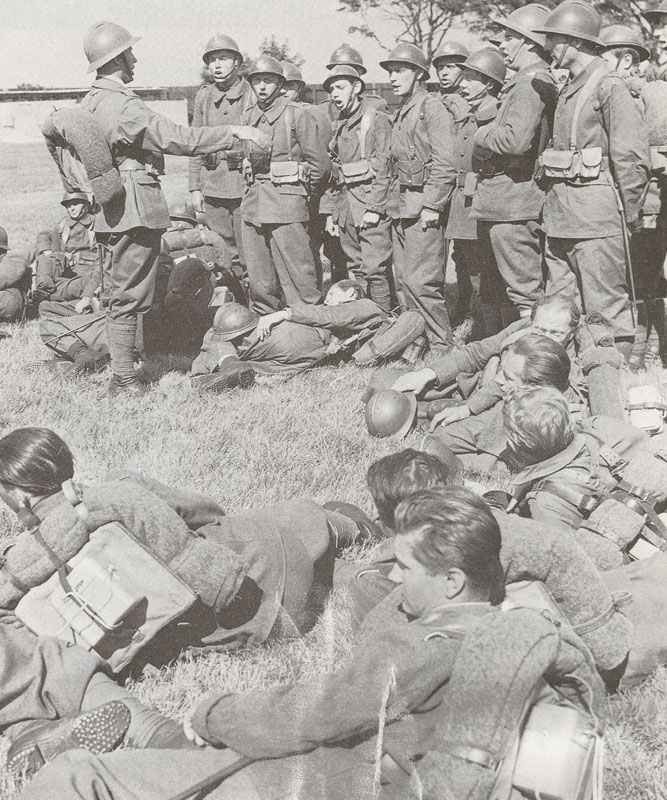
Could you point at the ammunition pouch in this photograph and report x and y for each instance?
(233, 158)
(356, 172)
(646, 408)
(586, 164)
(658, 156)
(412, 173)
(288, 173)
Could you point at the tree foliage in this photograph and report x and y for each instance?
(427, 22)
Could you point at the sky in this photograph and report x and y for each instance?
(41, 42)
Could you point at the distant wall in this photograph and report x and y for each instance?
(21, 120)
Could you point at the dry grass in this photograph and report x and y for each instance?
(305, 437)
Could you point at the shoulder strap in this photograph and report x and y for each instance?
(367, 120)
(289, 124)
(585, 94)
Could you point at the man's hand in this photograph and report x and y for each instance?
(635, 225)
(197, 200)
(84, 306)
(330, 227)
(249, 134)
(449, 415)
(268, 321)
(429, 218)
(369, 220)
(415, 381)
(190, 734)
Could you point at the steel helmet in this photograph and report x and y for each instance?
(574, 19)
(613, 36)
(342, 71)
(184, 211)
(346, 55)
(489, 62)
(406, 53)
(4, 241)
(658, 11)
(104, 41)
(220, 41)
(454, 52)
(75, 197)
(524, 20)
(391, 413)
(292, 72)
(233, 319)
(267, 64)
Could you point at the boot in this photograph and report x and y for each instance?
(123, 388)
(99, 731)
(232, 372)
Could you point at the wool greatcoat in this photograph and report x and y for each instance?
(368, 250)
(584, 253)
(424, 175)
(219, 177)
(280, 261)
(320, 735)
(508, 201)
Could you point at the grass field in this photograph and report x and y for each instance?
(305, 437)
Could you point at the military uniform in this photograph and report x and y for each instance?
(14, 284)
(223, 184)
(422, 149)
(585, 256)
(461, 225)
(276, 216)
(318, 737)
(365, 135)
(68, 260)
(131, 224)
(508, 202)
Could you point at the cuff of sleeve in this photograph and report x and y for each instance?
(202, 715)
(597, 356)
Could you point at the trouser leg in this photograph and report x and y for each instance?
(491, 286)
(517, 250)
(133, 276)
(263, 284)
(369, 255)
(419, 257)
(224, 217)
(466, 261)
(293, 259)
(65, 334)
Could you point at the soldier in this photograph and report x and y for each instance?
(657, 18)
(132, 223)
(69, 267)
(360, 151)
(294, 82)
(276, 204)
(508, 201)
(448, 65)
(422, 149)
(14, 281)
(595, 173)
(221, 102)
(482, 76)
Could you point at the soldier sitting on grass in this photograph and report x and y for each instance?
(241, 343)
(14, 281)
(323, 731)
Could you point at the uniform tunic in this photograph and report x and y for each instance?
(422, 149)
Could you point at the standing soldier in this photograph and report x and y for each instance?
(657, 18)
(276, 204)
(422, 145)
(448, 64)
(508, 202)
(294, 82)
(221, 102)
(360, 153)
(132, 223)
(596, 173)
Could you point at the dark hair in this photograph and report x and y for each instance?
(546, 361)
(35, 459)
(455, 529)
(393, 478)
(558, 302)
(537, 423)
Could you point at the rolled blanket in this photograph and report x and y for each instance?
(13, 269)
(78, 146)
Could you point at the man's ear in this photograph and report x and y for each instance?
(455, 581)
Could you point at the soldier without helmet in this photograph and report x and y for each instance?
(131, 224)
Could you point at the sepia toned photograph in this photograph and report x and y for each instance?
(333, 459)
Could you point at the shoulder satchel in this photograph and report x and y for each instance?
(360, 171)
(414, 172)
(288, 172)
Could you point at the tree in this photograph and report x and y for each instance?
(421, 22)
